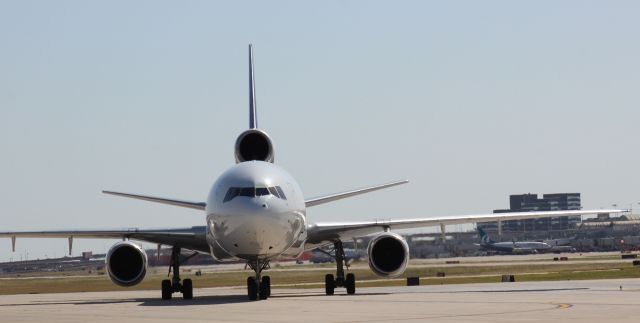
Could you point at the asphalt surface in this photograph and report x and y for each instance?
(579, 301)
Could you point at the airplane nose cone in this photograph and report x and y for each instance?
(255, 229)
(253, 206)
(260, 235)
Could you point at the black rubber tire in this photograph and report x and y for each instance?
(187, 289)
(265, 287)
(329, 284)
(252, 289)
(350, 284)
(166, 290)
(263, 293)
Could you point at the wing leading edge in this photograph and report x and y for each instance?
(325, 232)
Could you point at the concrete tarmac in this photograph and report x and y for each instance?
(579, 301)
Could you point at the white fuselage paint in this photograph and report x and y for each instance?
(258, 227)
(519, 246)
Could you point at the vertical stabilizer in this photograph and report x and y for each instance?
(484, 238)
(253, 144)
(253, 113)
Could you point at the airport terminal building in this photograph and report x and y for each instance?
(530, 202)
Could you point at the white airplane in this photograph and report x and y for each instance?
(516, 247)
(256, 212)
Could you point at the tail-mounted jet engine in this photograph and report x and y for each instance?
(126, 263)
(254, 144)
(388, 255)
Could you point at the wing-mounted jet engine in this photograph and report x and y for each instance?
(388, 255)
(126, 263)
(388, 258)
(254, 144)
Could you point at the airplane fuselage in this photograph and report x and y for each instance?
(255, 210)
(518, 246)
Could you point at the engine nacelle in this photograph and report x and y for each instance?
(254, 144)
(126, 263)
(388, 255)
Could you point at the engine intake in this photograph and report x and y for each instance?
(388, 255)
(254, 144)
(126, 263)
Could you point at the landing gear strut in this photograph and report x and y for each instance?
(258, 287)
(174, 286)
(348, 281)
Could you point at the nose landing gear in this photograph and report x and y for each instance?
(258, 287)
(348, 282)
(174, 286)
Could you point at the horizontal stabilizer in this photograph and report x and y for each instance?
(339, 196)
(181, 203)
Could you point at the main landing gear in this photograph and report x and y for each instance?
(174, 286)
(258, 287)
(348, 281)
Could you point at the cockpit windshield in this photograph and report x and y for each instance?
(233, 192)
(262, 191)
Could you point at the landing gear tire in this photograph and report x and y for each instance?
(329, 284)
(258, 286)
(174, 286)
(348, 281)
(350, 284)
(166, 289)
(265, 287)
(187, 289)
(252, 289)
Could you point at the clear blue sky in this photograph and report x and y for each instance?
(470, 100)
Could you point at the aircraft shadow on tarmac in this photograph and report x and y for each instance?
(197, 300)
(240, 298)
(229, 299)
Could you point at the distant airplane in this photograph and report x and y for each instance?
(320, 256)
(519, 247)
(560, 242)
(256, 212)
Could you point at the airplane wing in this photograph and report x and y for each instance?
(328, 232)
(193, 238)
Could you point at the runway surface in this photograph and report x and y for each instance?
(583, 301)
